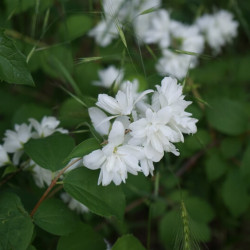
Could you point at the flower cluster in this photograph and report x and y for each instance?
(13, 144)
(180, 43)
(141, 131)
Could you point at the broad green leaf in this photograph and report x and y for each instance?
(18, 6)
(230, 147)
(13, 66)
(198, 209)
(16, 226)
(128, 242)
(106, 201)
(72, 113)
(227, 116)
(75, 26)
(84, 237)
(55, 217)
(51, 151)
(30, 110)
(245, 164)
(234, 193)
(83, 148)
(215, 166)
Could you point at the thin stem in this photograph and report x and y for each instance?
(53, 183)
(157, 183)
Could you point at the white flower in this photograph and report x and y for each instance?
(74, 204)
(186, 37)
(169, 94)
(175, 64)
(14, 140)
(4, 158)
(109, 76)
(47, 126)
(123, 103)
(142, 23)
(219, 29)
(158, 28)
(42, 176)
(154, 134)
(115, 159)
(104, 32)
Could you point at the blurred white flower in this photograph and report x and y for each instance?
(104, 32)
(14, 140)
(74, 204)
(4, 158)
(47, 127)
(115, 159)
(42, 176)
(175, 64)
(186, 37)
(219, 29)
(109, 76)
(158, 28)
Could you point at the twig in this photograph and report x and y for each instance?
(53, 183)
(10, 176)
(193, 160)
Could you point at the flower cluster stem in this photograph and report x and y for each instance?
(52, 184)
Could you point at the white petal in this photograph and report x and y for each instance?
(97, 117)
(108, 104)
(116, 135)
(94, 160)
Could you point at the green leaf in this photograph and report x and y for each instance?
(215, 166)
(75, 26)
(81, 183)
(199, 210)
(128, 242)
(55, 217)
(84, 237)
(234, 193)
(245, 164)
(18, 6)
(227, 116)
(30, 110)
(230, 147)
(16, 226)
(13, 66)
(51, 151)
(83, 148)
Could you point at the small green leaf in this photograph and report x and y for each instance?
(215, 166)
(89, 59)
(128, 242)
(75, 26)
(16, 226)
(84, 237)
(227, 116)
(121, 33)
(234, 193)
(83, 148)
(51, 151)
(13, 66)
(55, 217)
(106, 201)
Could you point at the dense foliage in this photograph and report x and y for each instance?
(51, 65)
